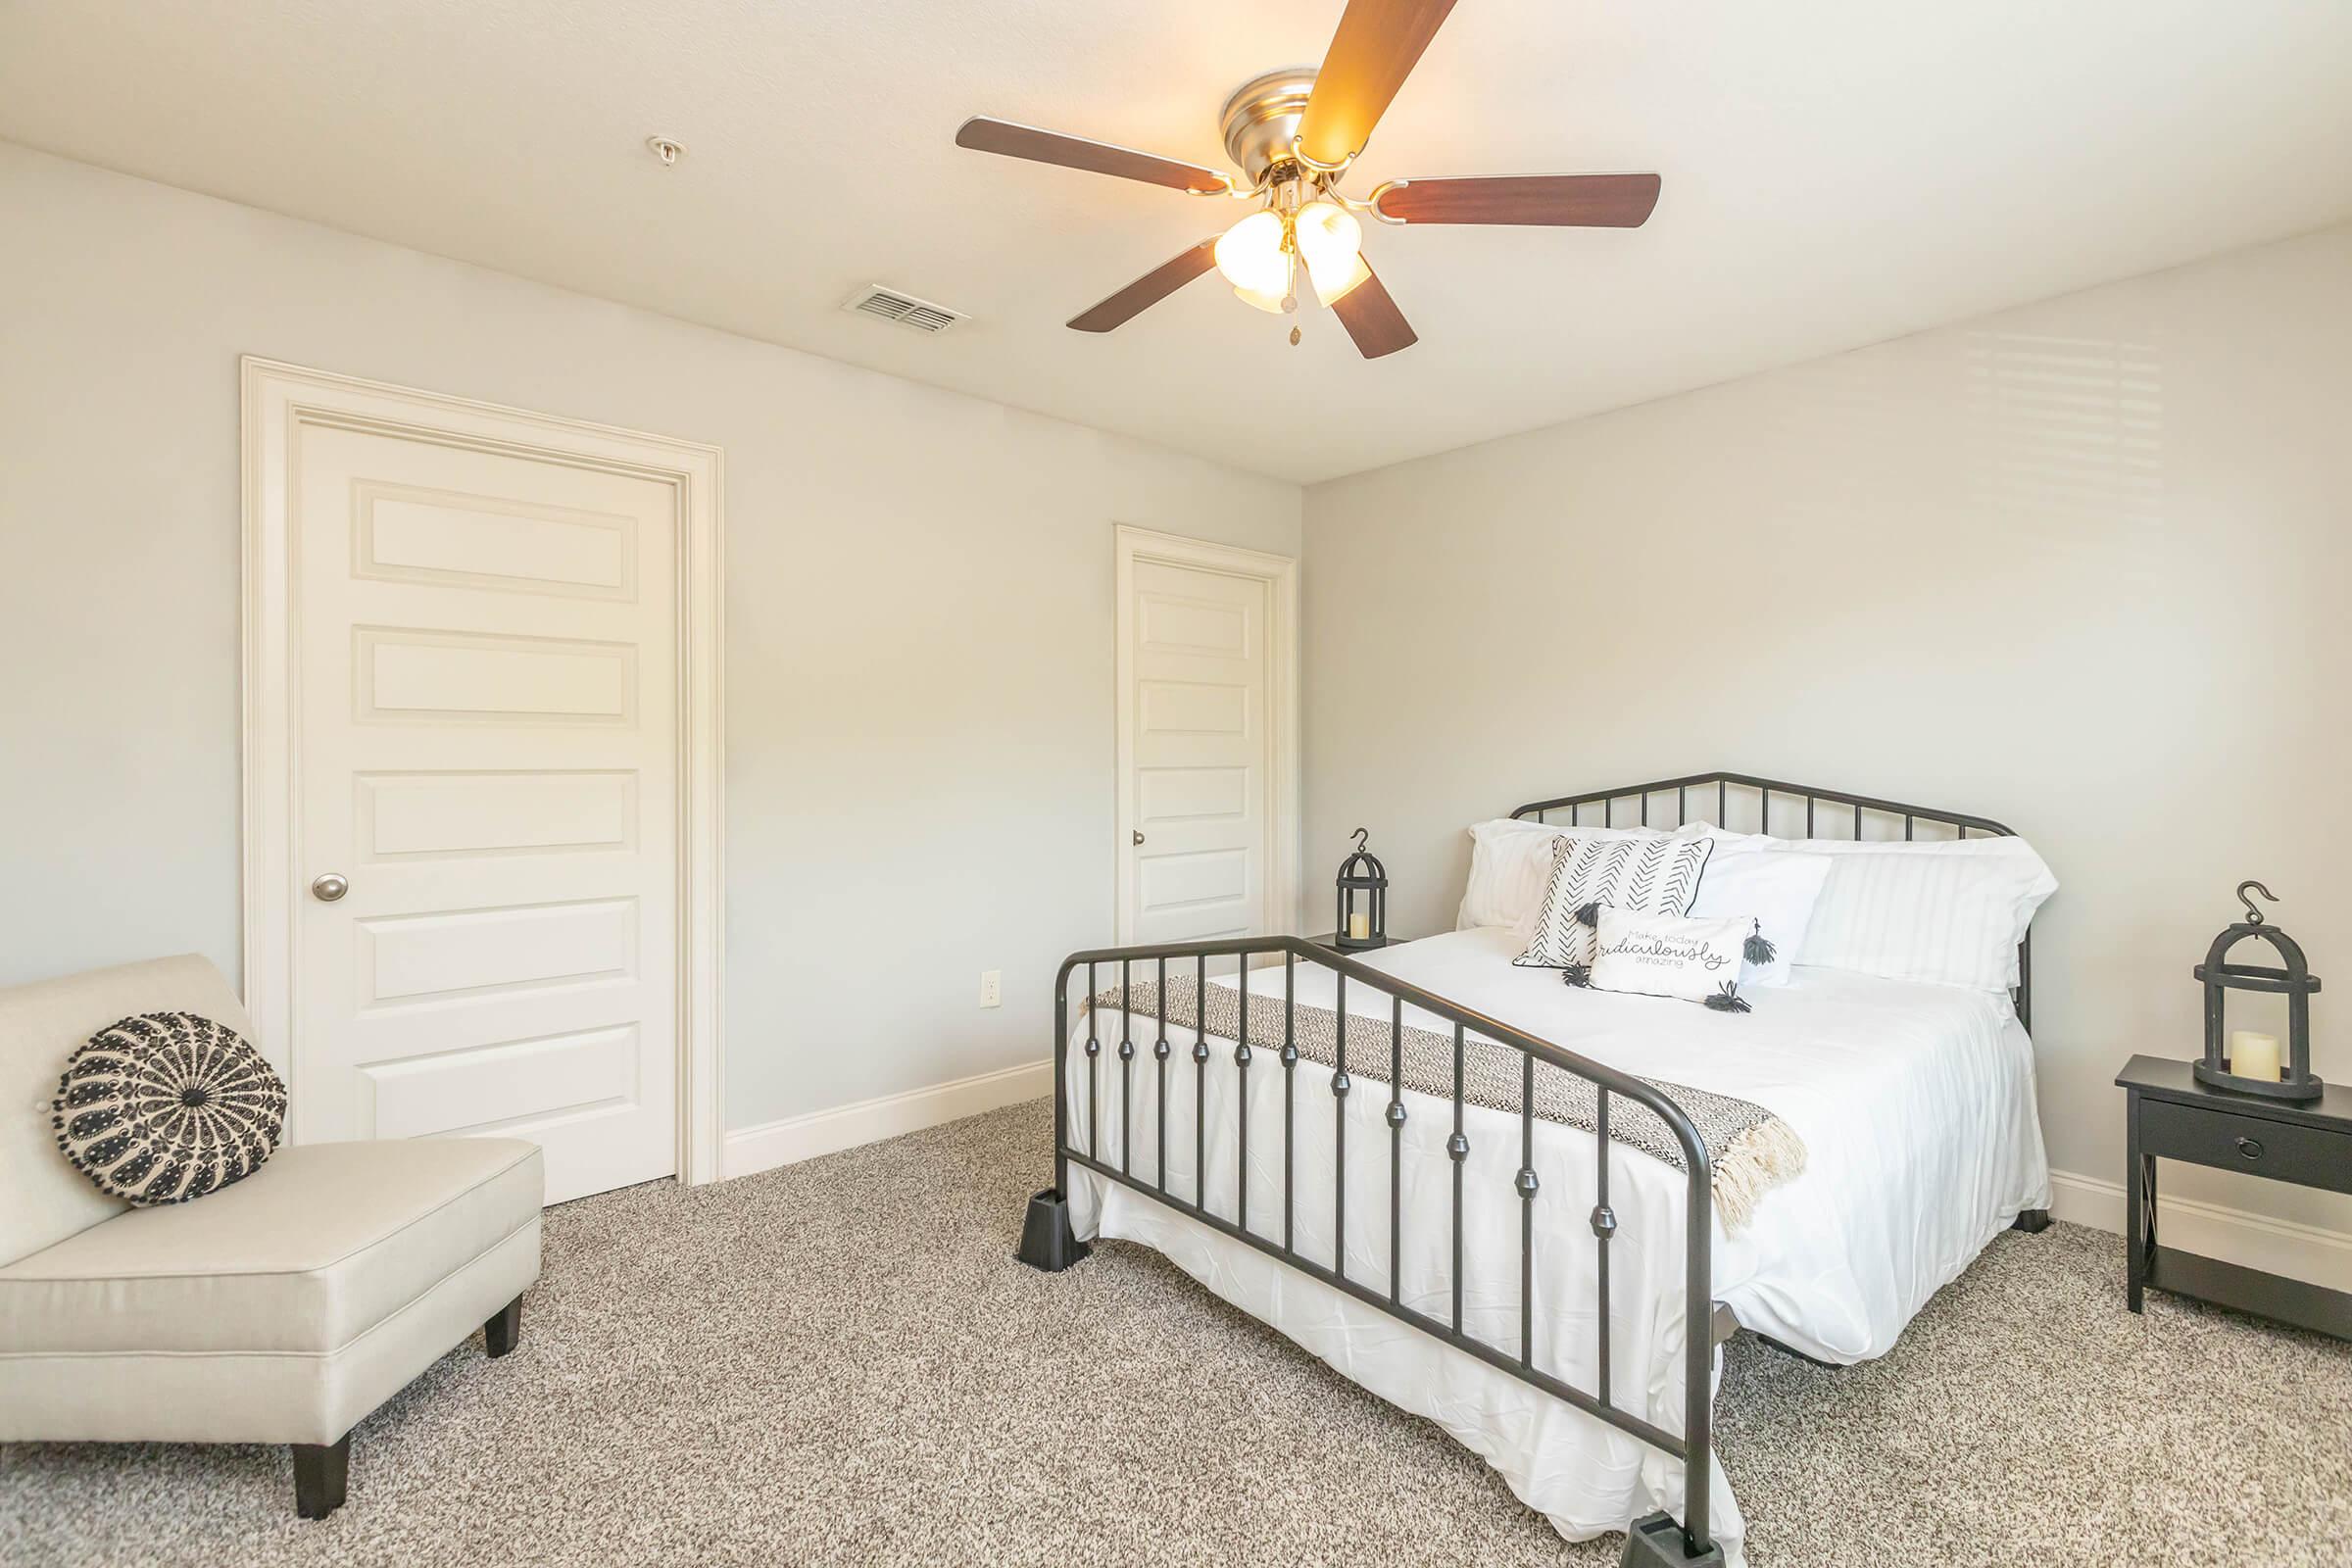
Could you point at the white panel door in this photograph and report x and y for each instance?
(1195, 796)
(486, 753)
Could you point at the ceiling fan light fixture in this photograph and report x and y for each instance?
(1252, 256)
(1331, 244)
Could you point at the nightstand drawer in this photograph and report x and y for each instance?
(2310, 1156)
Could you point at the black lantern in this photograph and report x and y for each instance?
(2294, 981)
(1363, 898)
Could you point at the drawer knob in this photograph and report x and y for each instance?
(2249, 1148)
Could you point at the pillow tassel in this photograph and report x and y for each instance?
(1587, 916)
(1757, 950)
(1728, 999)
(1576, 974)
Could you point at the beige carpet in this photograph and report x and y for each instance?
(839, 1362)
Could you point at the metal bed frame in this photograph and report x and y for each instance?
(1048, 1242)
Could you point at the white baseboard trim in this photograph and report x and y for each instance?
(823, 1131)
(2251, 1241)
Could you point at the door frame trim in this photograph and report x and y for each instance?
(1279, 573)
(276, 398)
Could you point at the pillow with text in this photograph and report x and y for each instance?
(1659, 956)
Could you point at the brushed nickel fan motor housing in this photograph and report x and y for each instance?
(1262, 117)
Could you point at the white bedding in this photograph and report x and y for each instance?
(1915, 1104)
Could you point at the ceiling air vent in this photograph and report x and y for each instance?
(888, 304)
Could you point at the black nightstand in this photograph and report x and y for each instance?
(2170, 1115)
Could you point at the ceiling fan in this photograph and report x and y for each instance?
(1295, 133)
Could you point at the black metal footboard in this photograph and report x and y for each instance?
(1048, 1242)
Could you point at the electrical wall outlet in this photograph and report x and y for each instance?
(992, 988)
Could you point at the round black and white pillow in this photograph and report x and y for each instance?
(166, 1106)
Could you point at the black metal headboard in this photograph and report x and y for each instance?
(1851, 811)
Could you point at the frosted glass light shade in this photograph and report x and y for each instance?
(1331, 244)
(1250, 256)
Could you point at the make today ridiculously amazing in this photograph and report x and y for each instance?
(1664, 949)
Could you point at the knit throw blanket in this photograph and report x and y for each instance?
(1751, 1149)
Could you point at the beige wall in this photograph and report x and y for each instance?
(918, 617)
(2084, 567)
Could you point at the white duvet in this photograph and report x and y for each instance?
(1915, 1104)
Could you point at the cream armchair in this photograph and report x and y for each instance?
(282, 1309)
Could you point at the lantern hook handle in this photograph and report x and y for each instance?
(1360, 836)
(2254, 916)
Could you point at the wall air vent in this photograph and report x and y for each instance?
(889, 305)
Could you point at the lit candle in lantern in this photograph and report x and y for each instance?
(2254, 1055)
(1359, 926)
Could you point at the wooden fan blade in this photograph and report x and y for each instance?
(1373, 319)
(1369, 58)
(983, 134)
(1586, 201)
(1150, 289)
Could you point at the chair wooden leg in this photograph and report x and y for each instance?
(321, 1471)
(500, 1332)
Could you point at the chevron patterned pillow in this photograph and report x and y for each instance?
(1643, 876)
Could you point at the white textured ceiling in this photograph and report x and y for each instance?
(1837, 171)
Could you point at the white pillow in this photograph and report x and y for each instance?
(1776, 889)
(1660, 955)
(1589, 873)
(1510, 861)
(1951, 912)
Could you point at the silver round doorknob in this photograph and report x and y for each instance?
(1139, 837)
(330, 887)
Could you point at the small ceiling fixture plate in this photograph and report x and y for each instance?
(661, 147)
(904, 310)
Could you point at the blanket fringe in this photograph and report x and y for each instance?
(1758, 1160)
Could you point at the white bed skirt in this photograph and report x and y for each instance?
(1584, 1476)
